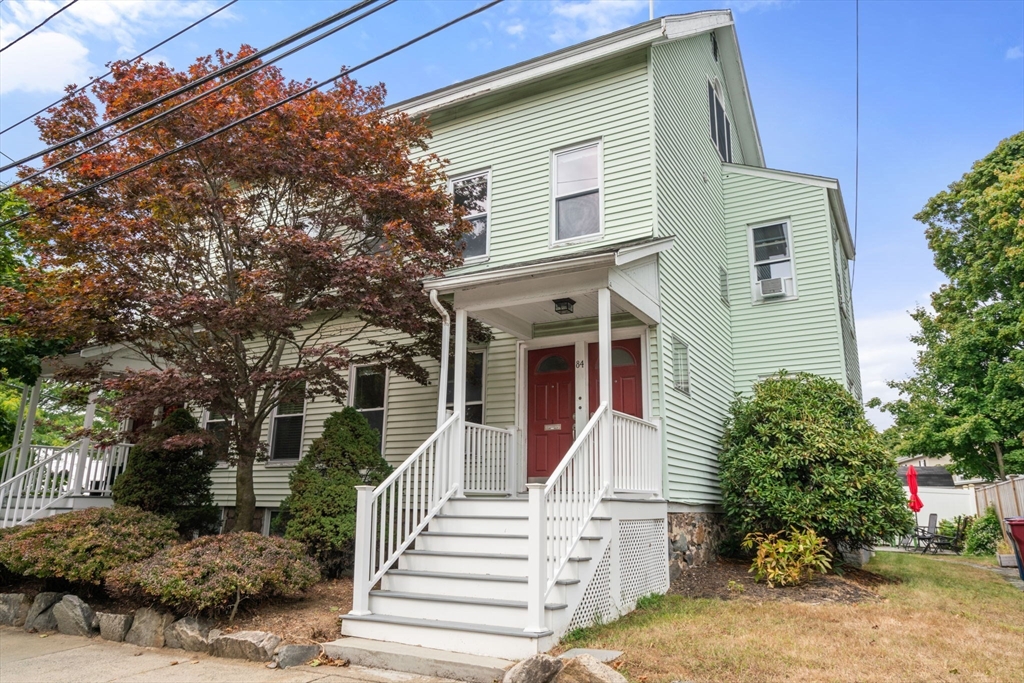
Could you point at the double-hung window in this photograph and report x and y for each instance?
(218, 426)
(577, 192)
(473, 193)
(474, 387)
(721, 129)
(680, 365)
(773, 261)
(286, 440)
(369, 396)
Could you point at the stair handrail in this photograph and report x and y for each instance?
(391, 516)
(560, 511)
(16, 508)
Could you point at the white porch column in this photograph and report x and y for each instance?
(82, 462)
(30, 423)
(459, 400)
(12, 456)
(604, 368)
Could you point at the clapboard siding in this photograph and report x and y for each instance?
(515, 141)
(796, 335)
(689, 206)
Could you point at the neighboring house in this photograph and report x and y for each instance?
(923, 463)
(939, 491)
(639, 265)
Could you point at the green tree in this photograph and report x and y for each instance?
(320, 511)
(799, 453)
(168, 474)
(966, 399)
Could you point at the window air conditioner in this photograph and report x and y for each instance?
(772, 288)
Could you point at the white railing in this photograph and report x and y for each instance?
(102, 467)
(561, 509)
(391, 516)
(32, 491)
(35, 454)
(489, 460)
(637, 454)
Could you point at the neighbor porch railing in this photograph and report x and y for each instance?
(391, 516)
(489, 460)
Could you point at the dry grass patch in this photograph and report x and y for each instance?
(942, 621)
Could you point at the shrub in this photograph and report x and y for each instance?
(984, 534)
(85, 545)
(800, 453)
(789, 560)
(171, 481)
(320, 511)
(213, 573)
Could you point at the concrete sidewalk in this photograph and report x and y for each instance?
(56, 658)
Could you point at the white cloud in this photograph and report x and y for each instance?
(515, 29)
(59, 53)
(584, 19)
(755, 5)
(1015, 52)
(886, 353)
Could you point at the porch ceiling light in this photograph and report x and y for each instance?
(564, 306)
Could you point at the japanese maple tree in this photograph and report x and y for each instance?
(229, 266)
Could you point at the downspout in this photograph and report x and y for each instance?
(442, 381)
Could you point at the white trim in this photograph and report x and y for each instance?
(553, 196)
(675, 339)
(272, 432)
(487, 237)
(387, 392)
(639, 251)
(752, 268)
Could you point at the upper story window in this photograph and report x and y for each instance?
(473, 193)
(576, 175)
(218, 426)
(680, 365)
(369, 396)
(286, 439)
(721, 129)
(773, 261)
(842, 275)
(474, 387)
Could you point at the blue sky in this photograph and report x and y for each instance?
(941, 84)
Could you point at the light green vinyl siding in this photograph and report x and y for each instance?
(689, 206)
(796, 335)
(515, 141)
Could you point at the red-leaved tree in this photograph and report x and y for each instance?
(228, 266)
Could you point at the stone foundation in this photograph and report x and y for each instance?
(693, 539)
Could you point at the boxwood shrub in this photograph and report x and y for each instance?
(84, 545)
(214, 573)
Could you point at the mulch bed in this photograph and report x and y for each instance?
(729, 579)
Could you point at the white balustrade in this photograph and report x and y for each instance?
(489, 460)
(636, 454)
(391, 516)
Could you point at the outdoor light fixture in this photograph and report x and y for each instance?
(564, 306)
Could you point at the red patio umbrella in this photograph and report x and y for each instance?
(915, 503)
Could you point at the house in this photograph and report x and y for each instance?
(639, 265)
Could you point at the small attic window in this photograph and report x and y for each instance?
(714, 46)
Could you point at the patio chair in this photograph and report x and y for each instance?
(954, 543)
(923, 535)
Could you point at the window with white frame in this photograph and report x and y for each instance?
(474, 387)
(218, 426)
(723, 285)
(773, 260)
(577, 192)
(680, 365)
(286, 426)
(721, 129)
(473, 193)
(369, 396)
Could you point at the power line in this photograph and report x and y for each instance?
(130, 61)
(202, 95)
(37, 26)
(249, 117)
(192, 85)
(856, 143)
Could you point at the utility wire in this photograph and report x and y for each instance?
(202, 95)
(856, 143)
(37, 26)
(130, 61)
(222, 129)
(192, 85)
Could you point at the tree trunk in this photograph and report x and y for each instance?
(999, 461)
(245, 494)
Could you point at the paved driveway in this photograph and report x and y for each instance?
(56, 658)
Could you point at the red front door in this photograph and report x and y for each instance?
(551, 414)
(627, 378)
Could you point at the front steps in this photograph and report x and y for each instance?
(418, 660)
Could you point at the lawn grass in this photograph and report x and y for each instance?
(943, 621)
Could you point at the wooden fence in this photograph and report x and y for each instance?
(1007, 497)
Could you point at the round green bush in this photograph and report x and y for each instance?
(214, 573)
(984, 534)
(174, 482)
(85, 545)
(800, 453)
